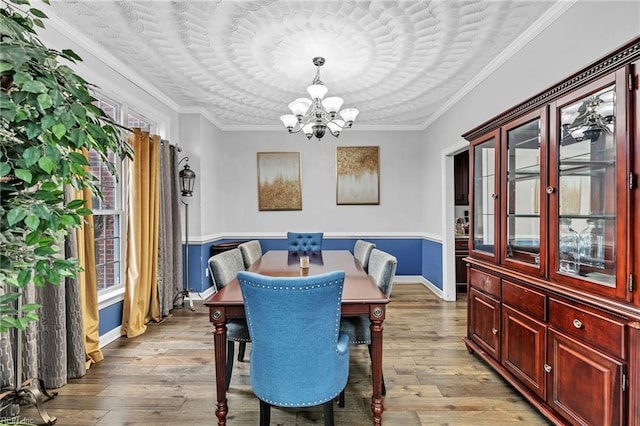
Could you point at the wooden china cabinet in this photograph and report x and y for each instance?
(554, 259)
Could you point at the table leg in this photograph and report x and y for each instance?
(220, 355)
(376, 315)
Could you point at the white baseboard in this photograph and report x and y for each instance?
(412, 279)
(110, 336)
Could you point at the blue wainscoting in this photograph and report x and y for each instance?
(417, 257)
(110, 318)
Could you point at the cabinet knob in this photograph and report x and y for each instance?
(547, 368)
(494, 196)
(577, 323)
(494, 330)
(550, 189)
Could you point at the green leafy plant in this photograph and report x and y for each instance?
(47, 119)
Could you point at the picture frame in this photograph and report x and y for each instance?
(279, 181)
(357, 175)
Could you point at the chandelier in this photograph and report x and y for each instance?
(314, 116)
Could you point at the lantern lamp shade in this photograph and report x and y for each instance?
(187, 181)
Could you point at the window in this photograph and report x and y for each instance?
(109, 213)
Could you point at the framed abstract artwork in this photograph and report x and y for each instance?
(358, 175)
(279, 182)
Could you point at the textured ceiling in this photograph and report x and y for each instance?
(241, 62)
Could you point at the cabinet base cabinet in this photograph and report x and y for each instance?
(484, 321)
(517, 384)
(585, 385)
(524, 342)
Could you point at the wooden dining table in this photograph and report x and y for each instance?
(360, 296)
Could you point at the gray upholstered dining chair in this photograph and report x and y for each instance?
(304, 241)
(224, 267)
(382, 268)
(298, 356)
(251, 252)
(362, 251)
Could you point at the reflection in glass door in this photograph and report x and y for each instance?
(484, 195)
(586, 188)
(523, 192)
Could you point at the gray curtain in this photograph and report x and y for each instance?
(170, 238)
(53, 347)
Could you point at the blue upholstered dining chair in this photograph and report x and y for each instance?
(362, 251)
(251, 252)
(304, 241)
(224, 267)
(382, 268)
(298, 356)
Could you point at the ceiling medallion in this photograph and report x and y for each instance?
(314, 116)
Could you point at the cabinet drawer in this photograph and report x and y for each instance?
(462, 244)
(485, 282)
(525, 299)
(599, 329)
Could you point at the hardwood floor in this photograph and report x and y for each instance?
(166, 377)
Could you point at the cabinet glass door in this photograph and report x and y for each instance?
(522, 203)
(587, 188)
(483, 230)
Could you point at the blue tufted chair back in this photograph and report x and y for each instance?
(298, 356)
(304, 241)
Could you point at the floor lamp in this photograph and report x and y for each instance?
(187, 180)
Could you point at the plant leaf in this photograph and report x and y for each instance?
(75, 204)
(38, 13)
(5, 169)
(15, 215)
(32, 221)
(59, 130)
(46, 164)
(24, 175)
(33, 86)
(78, 158)
(31, 155)
(44, 101)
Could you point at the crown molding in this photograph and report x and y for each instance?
(107, 58)
(557, 10)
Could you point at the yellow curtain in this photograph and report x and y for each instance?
(88, 281)
(88, 285)
(141, 303)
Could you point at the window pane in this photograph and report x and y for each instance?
(133, 121)
(107, 247)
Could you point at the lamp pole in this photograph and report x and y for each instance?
(187, 180)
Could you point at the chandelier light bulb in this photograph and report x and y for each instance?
(314, 116)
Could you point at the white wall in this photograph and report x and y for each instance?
(201, 142)
(585, 32)
(400, 192)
